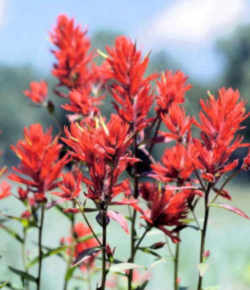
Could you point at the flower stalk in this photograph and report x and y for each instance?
(40, 257)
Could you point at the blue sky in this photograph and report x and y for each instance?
(186, 29)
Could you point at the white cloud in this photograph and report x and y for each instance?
(2, 12)
(194, 21)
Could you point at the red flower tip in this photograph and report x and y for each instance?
(72, 54)
(4, 190)
(171, 89)
(37, 92)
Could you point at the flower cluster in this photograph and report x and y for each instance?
(40, 166)
(97, 162)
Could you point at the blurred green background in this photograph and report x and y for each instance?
(214, 53)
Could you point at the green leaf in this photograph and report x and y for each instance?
(212, 288)
(9, 285)
(70, 273)
(162, 260)
(2, 284)
(12, 233)
(149, 251)
(203, 267)
(61, 210)
(123, 266)
(50, 253)
(23, 275)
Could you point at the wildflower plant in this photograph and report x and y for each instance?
(109, 162)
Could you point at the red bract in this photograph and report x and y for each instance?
(82, 231)
(81, 102)
(246, 162)
(171, 89)
(103, 148)
(39, 161)
(220, 121)
(38, 92)
(177, 164)
(130, 89)
(4, 190)
(178, 124)
(165, 208)
(70, 185)
(72, 54)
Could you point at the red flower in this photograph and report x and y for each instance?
(178, 124)
(130, 90)
(220, 121)
(171, 89)
(70, 185)
(23, 194)
(4, 190)
(81, 102)
(39, 161)
(104, 149)
(38, 92)
(177, 164)
(165, 208)
(72, 54)
(81, 231)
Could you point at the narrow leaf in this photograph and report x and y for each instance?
(12, 233)
(70, 273)
(2, 284)
(22, 274)
(84, 255)
(149, 251)
(123, 266)
(51, 252)
(162, 260)
(230, 208)
(116, 216)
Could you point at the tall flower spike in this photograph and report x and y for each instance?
(72, 54)
(40, 166)
(131, 91)
(220, 121)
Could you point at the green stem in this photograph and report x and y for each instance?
(26, 282)
(87, 222)
(176, 266)
(104, 244)
(204, 232)
(40, 257)
(70, 259)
